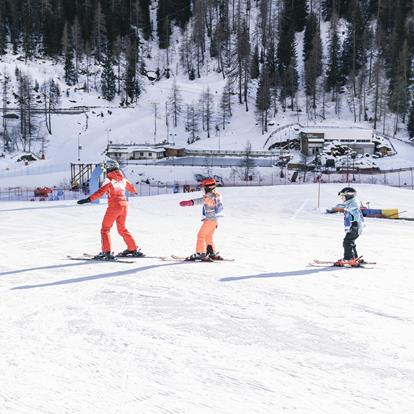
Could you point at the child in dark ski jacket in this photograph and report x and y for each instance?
(354, 224)
(212, 210)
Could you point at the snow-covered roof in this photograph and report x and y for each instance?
(119, 149)
(131, 148)
(148, 149)
(341, 133)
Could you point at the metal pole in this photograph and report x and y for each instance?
(319, 191)
(167, 122)
(155, 122)
(79, 146)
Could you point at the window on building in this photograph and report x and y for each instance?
(141, 154)
(150, 154)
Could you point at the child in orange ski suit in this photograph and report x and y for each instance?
(115, 185)
(212, 210)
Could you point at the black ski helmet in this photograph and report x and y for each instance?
(347, 192)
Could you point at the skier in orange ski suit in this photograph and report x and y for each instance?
(115, 185)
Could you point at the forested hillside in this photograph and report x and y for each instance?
(275, 55)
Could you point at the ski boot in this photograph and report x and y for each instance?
(104, 256)
(355, 262)
(198, 257)
(213, 255)
(131, 253)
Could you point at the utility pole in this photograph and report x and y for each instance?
(155, 121)
(107, 130)
(79, 147)
(167, 122)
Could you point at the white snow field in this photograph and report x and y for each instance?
(264, 334)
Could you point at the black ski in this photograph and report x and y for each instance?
(327, 264)
(317, 261)
(92, 259)
(117, 256)
(186, 259)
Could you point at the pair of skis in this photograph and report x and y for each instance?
(120, 259)
(330, 263)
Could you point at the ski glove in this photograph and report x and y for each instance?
(186, 203)
(84, 201)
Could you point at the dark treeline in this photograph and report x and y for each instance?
(38, 25)
(364, 59)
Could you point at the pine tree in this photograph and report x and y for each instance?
(28, 28)
(286, 58)
(99, 35)
(313, 65)
(311, 27)
(175, 101)
(207, 109)
(295, 12)
(51, 96)
(410, 126)
(341, 8)
(26, 102)
(131, 76)
(254, 69)
(271, 64)
(2, 31)
(52, 29)
(181, 11)
(263, 99)
(199, 33)
(7, 144)
(398, 100)
(108, 79)
(241, 65)
(69, 68)
(247, 163)
(145, 18)
(333, 72)
(192, 123)
(353, 53)
(163, 23)
(225, 104)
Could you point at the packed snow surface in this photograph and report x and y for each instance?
(264, 334)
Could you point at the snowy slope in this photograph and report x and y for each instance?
(264, 334)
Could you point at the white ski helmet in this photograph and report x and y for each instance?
(111, 165)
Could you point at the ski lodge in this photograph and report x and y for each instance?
(313, 140)
(125, 152)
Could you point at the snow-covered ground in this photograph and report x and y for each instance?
(264, 334)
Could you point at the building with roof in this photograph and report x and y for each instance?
(314, 139)
(125, 152)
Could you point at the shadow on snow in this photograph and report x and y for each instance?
(304, 272)
(89, 278)
(38, 208)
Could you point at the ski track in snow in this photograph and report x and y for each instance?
(263, 334)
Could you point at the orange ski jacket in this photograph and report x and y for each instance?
(115, 186)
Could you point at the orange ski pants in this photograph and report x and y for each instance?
(205, 236)
(118, 214)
